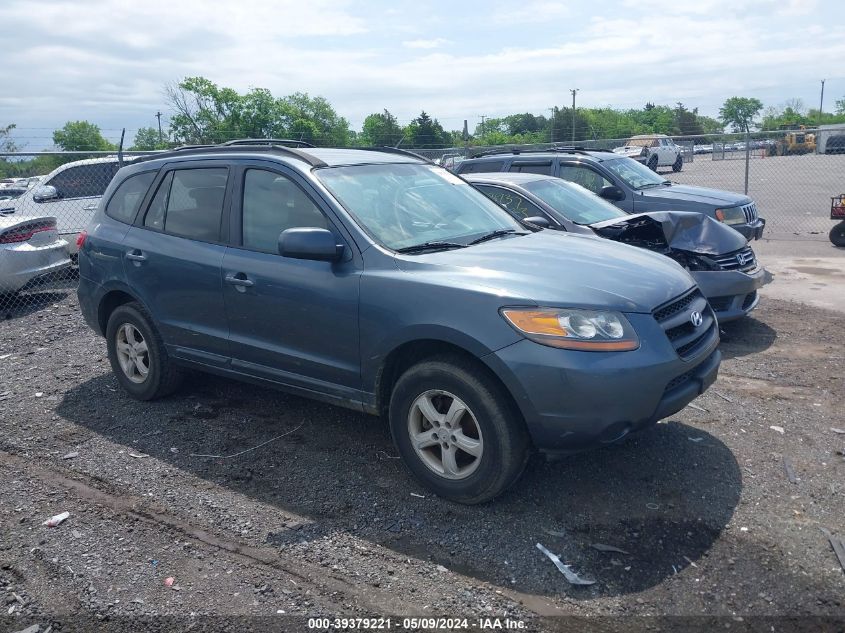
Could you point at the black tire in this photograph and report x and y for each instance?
(678, 165)
(505, 446)
(163, 376)
(652, 163)
(837, 234)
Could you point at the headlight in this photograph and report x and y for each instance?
(589, 330)
(734, 215)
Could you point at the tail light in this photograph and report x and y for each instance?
(80, 240)
(24, 232)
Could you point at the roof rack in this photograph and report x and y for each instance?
(394, 150)
(573, 149)
(244, 147)
(268, 141)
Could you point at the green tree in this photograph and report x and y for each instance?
(78, 136)
(840, 106)
(427, 132)
(740, 112)
(147, 138)
(6, 142)
(380, 129)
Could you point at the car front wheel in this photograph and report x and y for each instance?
(652, 163)
(678, 165)
(137, 354)
(837, 234)
(456, 430)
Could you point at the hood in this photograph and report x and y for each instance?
(682, 230)
(551, 268)
(703, 195)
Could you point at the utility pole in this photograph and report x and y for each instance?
(552, 127)
(483, 117)
(821, 103)
(160, 138)
(574, 91)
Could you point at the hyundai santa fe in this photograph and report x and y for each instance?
(378, 281)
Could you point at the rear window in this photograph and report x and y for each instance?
(125, 202)
(543, 168)
(480, 167)
(189, 203)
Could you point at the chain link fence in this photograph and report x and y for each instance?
(47, 198)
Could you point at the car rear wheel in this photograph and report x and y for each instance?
(456, 431)
(837, 234)
(137, 354)
(652, 163)
(678, 165)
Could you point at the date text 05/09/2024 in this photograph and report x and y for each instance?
(415, 624)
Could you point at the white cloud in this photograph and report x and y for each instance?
(435, 43)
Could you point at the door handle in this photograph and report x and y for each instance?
(240, 281)
(136, 256)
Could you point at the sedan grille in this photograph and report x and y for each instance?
(688, 333)
(750, 211)
(743, 260)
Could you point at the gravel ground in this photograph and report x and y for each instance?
(324, 520)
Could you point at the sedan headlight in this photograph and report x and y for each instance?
(733, 215)
(588, 330)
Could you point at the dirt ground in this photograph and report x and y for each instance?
(324, 520)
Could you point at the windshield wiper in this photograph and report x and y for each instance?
(649, 185)
(492, 235)
(426, 246)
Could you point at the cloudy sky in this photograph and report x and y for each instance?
(107, 60)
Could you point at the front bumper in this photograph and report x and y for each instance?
(751, 230)
(573, 400)
(731, 293)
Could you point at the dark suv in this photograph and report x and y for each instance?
(378, 281)
(628, 184)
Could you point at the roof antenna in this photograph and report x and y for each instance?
(120, 148)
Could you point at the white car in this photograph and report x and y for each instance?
(70, 193)
(653, 150)
(29, 249)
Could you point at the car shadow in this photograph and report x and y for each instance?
(745, 336)
(663, 497)
(26, 303)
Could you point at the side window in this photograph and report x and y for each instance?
(544, 168)
(516, 205)
(273, 203)
(583, 176)
(127, 198)
(84, 181)
(468, 167)
(189, 203)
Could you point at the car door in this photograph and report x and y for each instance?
(666, 153)
(592, 179)
(78, 192)
(172, 259)
(293, 321)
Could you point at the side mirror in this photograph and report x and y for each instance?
(44, 193)
(310, 243)
(612, 192)
(538, 220)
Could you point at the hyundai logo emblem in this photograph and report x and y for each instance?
(695, 318)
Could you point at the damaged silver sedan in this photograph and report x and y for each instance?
(719, 258)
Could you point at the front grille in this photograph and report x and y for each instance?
(675, 317)
(743, 260)
(720, 304)
(750, 211)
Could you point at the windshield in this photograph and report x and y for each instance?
(573, 201)
(404, 205)
(636, 175)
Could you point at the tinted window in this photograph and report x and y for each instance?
(583, 176)
(478, 167)
(518, 206)
(573, 201)
(272, 204)
(84, 181)
(125, 202)
(533, 168)
(189, 203)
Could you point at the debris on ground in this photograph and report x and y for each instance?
(418, 496)
(71, 455)
(840, 431)
(692, 564)
(168, 582)
(30, 629)
(138, 455)
(56, 520)
(722, 396)
(652, 506)
(790, 471)
(272, 439)
(697, 408)
(442, 569)
(779, 429)
(557, 533)
(571, 576)
(838, 546)
(695, 439)
(608, 548)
